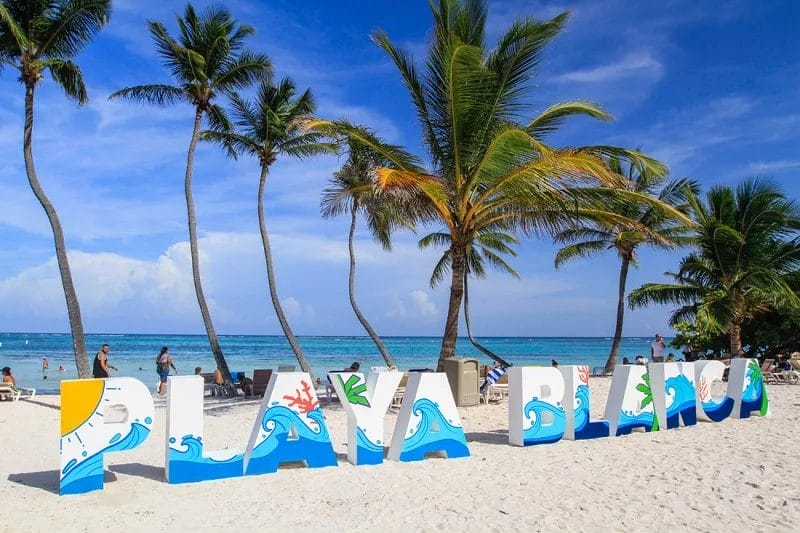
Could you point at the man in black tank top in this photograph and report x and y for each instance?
(101, 365)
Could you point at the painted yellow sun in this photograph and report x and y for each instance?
(80, 400)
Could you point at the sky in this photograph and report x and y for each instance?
(709, 88)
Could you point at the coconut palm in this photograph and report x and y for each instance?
(655, 228)
(271, 126)
(354, 190)
(747, 255)
(38, 37)
(208, 59)
(486, 168)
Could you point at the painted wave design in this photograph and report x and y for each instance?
(310, 445)
(584, 429)
(718, 411)
(539, 433)
(188, 465)
(83, 476)
(628, 422)
(449, 438)
(752, 396)
(367, 452)
(684, 401)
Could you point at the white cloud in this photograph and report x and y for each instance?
(638, 64)
(774, 166)
(416, 304)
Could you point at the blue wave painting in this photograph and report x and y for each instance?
(449, 438)
(684, 402)
(718, 411)
(189, 465)
(84, 476)
(367, 452)
(628, 422)
(311, 446)
(539, 433)
(752, 396)
(584, 429)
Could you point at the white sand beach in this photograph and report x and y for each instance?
(738, 475)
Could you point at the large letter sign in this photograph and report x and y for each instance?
(365, 401)
(428, 421)
(290, 427)
(630, 401)
(86, 437)
(186, 458)
(674, 396)
(746, 385)
(535, 413)
(578, 425)
(709, 409)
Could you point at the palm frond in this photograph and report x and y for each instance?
(156, 94)
(69, 77)
(551, 118)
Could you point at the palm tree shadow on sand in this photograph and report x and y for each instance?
(47, 480)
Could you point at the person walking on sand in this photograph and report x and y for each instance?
(657, 349)
(163, 364)
(101, 364)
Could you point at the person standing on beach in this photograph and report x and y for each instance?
(163, 364)
(45, 366)
(101, 364)
(657, 349)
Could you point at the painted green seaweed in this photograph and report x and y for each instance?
(354, 390)
(755, 375)
(645, 389)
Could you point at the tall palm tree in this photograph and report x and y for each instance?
(486, 169)
(207, 59)
(655, 228)
(747, 256)
(354, 190)
(37, 37)
(271, 126)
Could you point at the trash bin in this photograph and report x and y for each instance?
(462, 374)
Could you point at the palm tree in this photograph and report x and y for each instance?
(38, 36)
(354, 189)
(206, 60)
(747, 254)
(487, 169)
(655, 228)
(271, 126)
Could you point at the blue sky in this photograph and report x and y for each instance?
(710, 90)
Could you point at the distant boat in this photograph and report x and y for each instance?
(26, 342)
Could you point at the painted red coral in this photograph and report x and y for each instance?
(304, 405)
(583, 374)
(702, 390)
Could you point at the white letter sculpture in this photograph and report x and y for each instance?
(708, 408)
(186, 460)
(630, 401)
(365, 401)
(535, 413)
(578, 424)
(428, 421)
(85, 437)
(290, 427)
(746, 386)
(674, 395)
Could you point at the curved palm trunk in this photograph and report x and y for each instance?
(494, 357)
(73, 308)
(216, 349)
(273, 292)
(352, 289)
(611, 363)
(458, 266)
(736, 338)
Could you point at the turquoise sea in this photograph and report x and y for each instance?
(134, 355)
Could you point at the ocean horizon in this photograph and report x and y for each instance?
(134, 353)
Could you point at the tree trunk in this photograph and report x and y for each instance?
(611, 363)
(491, 355)
(352, 289)
(736, 338)
(216, 349)
(458, 268)
(73, 307)
(273, 292)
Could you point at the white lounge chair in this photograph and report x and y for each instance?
(8, 390)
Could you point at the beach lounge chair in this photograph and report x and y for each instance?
(286, 368)
(400, 392)
(8, 390)
(261, 380)
(767, 372)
